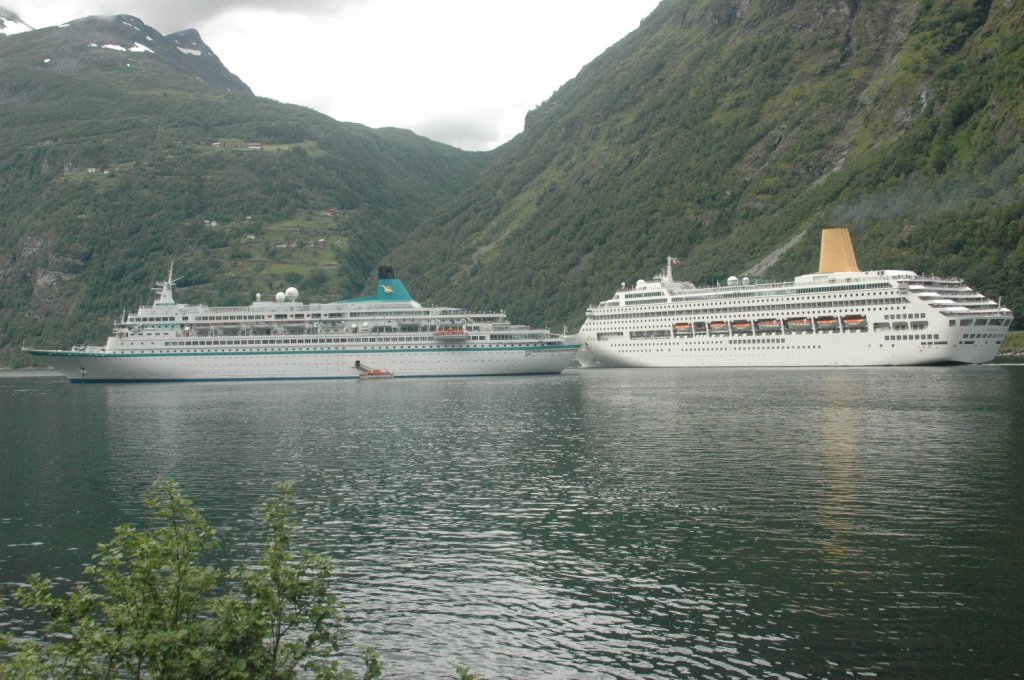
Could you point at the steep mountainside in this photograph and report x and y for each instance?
(124, 149)
(727, 131)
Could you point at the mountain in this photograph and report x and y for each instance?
(122, 46)
(728, 132)
(123, 149)
(722, 132)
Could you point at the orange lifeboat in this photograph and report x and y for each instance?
(855, 322)
(826, 323)
(799, 325)
(742, 326)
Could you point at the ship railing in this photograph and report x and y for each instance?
(235, 309)
(960, 314)
(734, 292)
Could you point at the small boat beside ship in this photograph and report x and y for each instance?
(375, 374)
(838, 316)
(285, 339)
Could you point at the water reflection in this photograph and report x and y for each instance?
(841, 446)
(601, 523)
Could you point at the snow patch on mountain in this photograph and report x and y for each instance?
(11, 24)
(121, 48)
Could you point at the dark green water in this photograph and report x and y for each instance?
(598, 524)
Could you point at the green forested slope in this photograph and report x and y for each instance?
(721, 130)
(115, 162)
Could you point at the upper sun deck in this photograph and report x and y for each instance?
(664, 288)
(838, 281)
(390, 302)
(950, 296)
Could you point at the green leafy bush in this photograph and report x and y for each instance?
(154, 609)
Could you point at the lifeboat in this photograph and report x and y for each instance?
(799, 325)
(450, 334)
(682, 329)
(855, 322)
(768, 325)
(718, 327)
(742, 326)
(826, 323)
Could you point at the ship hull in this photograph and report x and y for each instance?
(791, 350)
(104, 366)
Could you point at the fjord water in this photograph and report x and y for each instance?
(597, 524)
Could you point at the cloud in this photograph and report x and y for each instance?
(179, 14)
(464, 72)
(168, 16)
(465, 132)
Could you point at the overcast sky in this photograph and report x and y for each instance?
(464, 72)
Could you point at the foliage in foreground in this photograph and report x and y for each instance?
(155, 610)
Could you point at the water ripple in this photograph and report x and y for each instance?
(611, 524)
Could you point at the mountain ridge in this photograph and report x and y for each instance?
(123, 42)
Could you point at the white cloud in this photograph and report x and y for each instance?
(464, 72)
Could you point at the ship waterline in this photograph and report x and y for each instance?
(296, 362)
(839, 316)
(288, 340)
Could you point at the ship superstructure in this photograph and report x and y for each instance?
(287, 339)
(839, 316)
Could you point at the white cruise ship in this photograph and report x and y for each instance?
(284, 339)
(839, 316)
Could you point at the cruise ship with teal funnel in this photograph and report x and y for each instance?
(285, 339)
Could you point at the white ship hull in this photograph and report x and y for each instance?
(838, 317)
(101, 366)
(808, 349)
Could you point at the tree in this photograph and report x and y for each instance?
(154, 610)
(285, 616)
